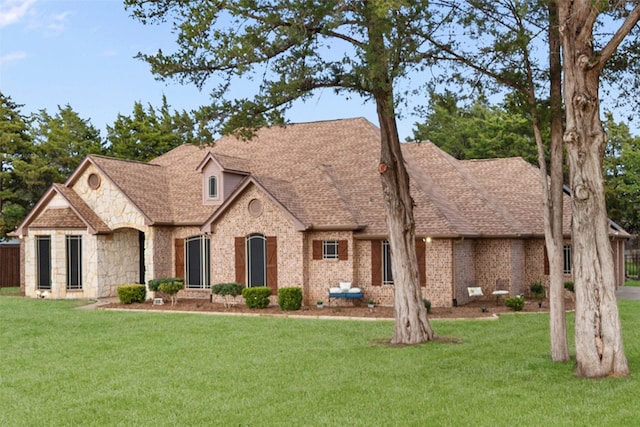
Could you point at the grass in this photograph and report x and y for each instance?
(62, 366)
(10, 290)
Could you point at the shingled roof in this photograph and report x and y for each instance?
(324, 174)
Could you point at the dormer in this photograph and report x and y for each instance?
(220, 175)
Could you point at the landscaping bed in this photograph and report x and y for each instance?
(471, 310)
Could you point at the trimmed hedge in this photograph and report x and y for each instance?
(131, 293)
(515, 303)
(290, 298)
(224, 289)
(154, 284)
(257, 297)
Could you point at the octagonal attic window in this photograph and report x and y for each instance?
(93, 181)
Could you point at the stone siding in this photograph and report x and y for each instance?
(116, 261)
(58, 264)
(237, 221)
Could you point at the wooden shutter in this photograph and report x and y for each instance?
(240, 259)
(272, 263)
(178, 245)
(317, 249)
(343, 250)
(546, 261)
(376, 263)
(421, 254)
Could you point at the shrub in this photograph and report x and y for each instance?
(290, 298)
(171, 288)
(257, 297)
(224, 289)
(537, 289)
(516, 303)
(131, 293)
(427, 305)
(569, 286)
(154, 284)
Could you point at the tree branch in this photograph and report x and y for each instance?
(607, 52)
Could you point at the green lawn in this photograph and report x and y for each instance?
(63, 366)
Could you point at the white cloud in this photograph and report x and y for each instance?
(109, 52)
(12, 57)
(12, 11)
(55, 24)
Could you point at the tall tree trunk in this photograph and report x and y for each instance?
(553, 212)
(598, 340)
(411, 323)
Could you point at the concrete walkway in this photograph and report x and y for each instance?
(628, 292)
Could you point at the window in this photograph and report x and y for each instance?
(329, 249)
(567, 259)
(74, 262)
(387, 273)
(43, 261)
(197, 261)
(213, 187)
(256, 260)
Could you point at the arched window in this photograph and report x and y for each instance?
(256, 260)
(197, 262)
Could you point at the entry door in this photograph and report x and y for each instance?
(256, 260)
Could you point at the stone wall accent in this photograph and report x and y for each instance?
(58, 264)
(108, 202)
(117, 261)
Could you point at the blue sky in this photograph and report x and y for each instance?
(81, 53)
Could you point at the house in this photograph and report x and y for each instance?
(297, 205)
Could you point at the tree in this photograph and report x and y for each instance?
(598, 340)
(147, 134)
(293, 49)
(504, 34)
(476, 131)
(15, 146)
(621, 180)
(61, 142)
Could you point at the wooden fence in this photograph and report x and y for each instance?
(9, 266)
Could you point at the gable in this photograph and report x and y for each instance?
(107, 200)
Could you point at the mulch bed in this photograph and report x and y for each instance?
(469, 311)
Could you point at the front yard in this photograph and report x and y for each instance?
(62, 366)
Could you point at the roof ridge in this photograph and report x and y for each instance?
(444, 208)
(482, 192)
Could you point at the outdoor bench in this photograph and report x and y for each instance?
(345, 291)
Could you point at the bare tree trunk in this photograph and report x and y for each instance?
(598, 339)
(411, 323)
(553, 212)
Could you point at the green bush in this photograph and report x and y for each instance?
(224, 289)
(290, 298)
(569, 286)
(154, 284)
(516, 303)
(427, 305)
(537, 289)
(131, 293)
(171, 289)
(257, 297)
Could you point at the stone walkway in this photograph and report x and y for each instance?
(628, 292)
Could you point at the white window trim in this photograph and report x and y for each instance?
(566, 259)
(326, 245)
(215, 187)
